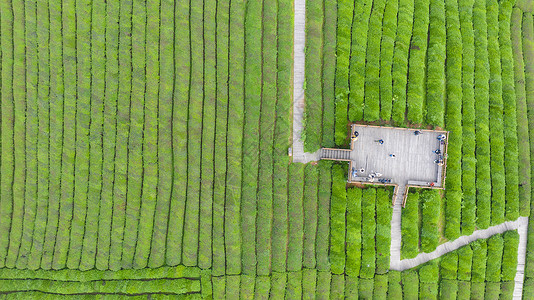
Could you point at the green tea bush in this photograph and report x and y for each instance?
(233, 283)
(394, 285)
(337, 288)
(477, 290)
(150, 141)
(253, 94)
(410, 227)
(7, 140)
(399, 69)
(232, 227)
(338, 211)
(416, 73)
(328, 70)
(205, 236)
(453, 120)
(435, 78)
(313, 65)
(430, 210)
(428, 281)
(263, 286)
(311, 180)
(296, 217)
(368, 233)
(294, 285)
(278, 284)
(496, 117)
(464, 290)
(510, 109)
(465, 260)
(365, 288)
(383, 229)
(482, 150)
(494, 258)
(281, 136)
(98, 59)
(351, 287)
(380, 287)
(43, 28)
(344, 24)
(478, 271)
(493, 290)
(323, 216)
(354, 232)
(372, 66)
(521, 112)
(309, 282)
(449, 265)
(509, 255)
(360, 25)
(468, 213)
(410, 284)
(67, 161)
(323, 284)
(507, 290)
(221, 121)
(55, 140)
(136, 158)
(448, 289)
(267, 128)
(31, 124)
(389, 32)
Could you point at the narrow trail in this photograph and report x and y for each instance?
(299, 44)
(521, 225)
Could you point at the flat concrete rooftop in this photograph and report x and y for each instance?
(414, 161)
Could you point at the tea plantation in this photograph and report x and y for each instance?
(144, 147)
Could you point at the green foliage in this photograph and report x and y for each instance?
(477, 290)
(323, 284)
(380, 287)
(383, 229)
(337, 288)
(372, 65)
(338, 209)
(448, 289)
(482, 150)
(453, 120)
(430, 211)
(509, 255)
(354, 232)
(469, 197)
(351, 287)
(511, 154)
(478, 271)
(464, 290)
(449, 265)
(329, 70)
(365, 288)
(394, 285)
(368, 233)
(389, 32)
(416, 73)
(344, 22)
(493, 289)
(494, 258)
(313, 65)
(360, 25)
(410, 227)
(521, 112)
(399, 69)
(311, 181)
(323, 216)
(435, 75)
(465, 260)
(294, 285)
(309, 281)
(410, 284)
(296, 217)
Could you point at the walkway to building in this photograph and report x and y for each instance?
(303, 157)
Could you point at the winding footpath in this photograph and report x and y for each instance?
(521, 224)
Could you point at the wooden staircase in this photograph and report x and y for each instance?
(335, 154)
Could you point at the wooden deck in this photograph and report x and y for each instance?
(403, 157)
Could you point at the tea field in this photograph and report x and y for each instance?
(144, 147)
